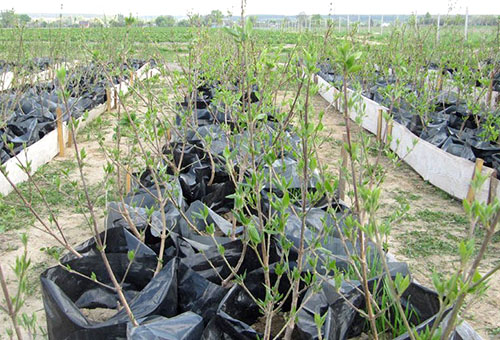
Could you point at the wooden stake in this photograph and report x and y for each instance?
(477, 170)
(343, 153)
(493, 187)
(70, 138)
(379, 125)
(60, 137)
(389, 132)
(131, 82)
(440, 82)
(108, 100)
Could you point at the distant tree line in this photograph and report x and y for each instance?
(9, 19)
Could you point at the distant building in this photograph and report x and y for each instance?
(84, 24)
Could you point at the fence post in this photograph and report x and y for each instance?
(493, 187)
(108, 99)
(388, 133)
(70, 133)
(116, 93)
(60, 137)
(477, 169)
(379, 125)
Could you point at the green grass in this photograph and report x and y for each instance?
(13, 212)
(441, 217)
(494, 331)
(58, 192)
(420, 244)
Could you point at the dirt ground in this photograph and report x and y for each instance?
(426, 239)
(75, 229)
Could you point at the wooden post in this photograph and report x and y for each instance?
(343, 154)
(492, 193)
(60, 137)
(440, 81)
(108, 100)
(115, 96)
(379, 125)
(70, 137)
(477, 170)
(131, 81)
(388, 132)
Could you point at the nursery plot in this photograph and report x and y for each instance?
(207, 204)
(428, 236)
(41, 246)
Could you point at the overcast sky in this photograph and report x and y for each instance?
(287, 7)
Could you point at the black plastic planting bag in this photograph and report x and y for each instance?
(118, 240)
(222, 226)
(63, 293)
(436, 133)
(212, 266)
(198, 294)
(459, 148)
(237, 312)
(198, 180)
(343, 322)
(483, 149)
(32, 113)
(186, 326)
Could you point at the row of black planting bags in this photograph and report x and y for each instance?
(449, 124)
(36, 64)
(30, 113)
(189, 298)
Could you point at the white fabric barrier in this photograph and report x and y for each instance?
(8, 79)
(448, 172)
(47, 148)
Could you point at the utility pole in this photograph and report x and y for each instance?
(438, 24)
(60, 17)
(466, 21)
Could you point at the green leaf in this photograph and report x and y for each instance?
(253, 234)
(131, 255)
